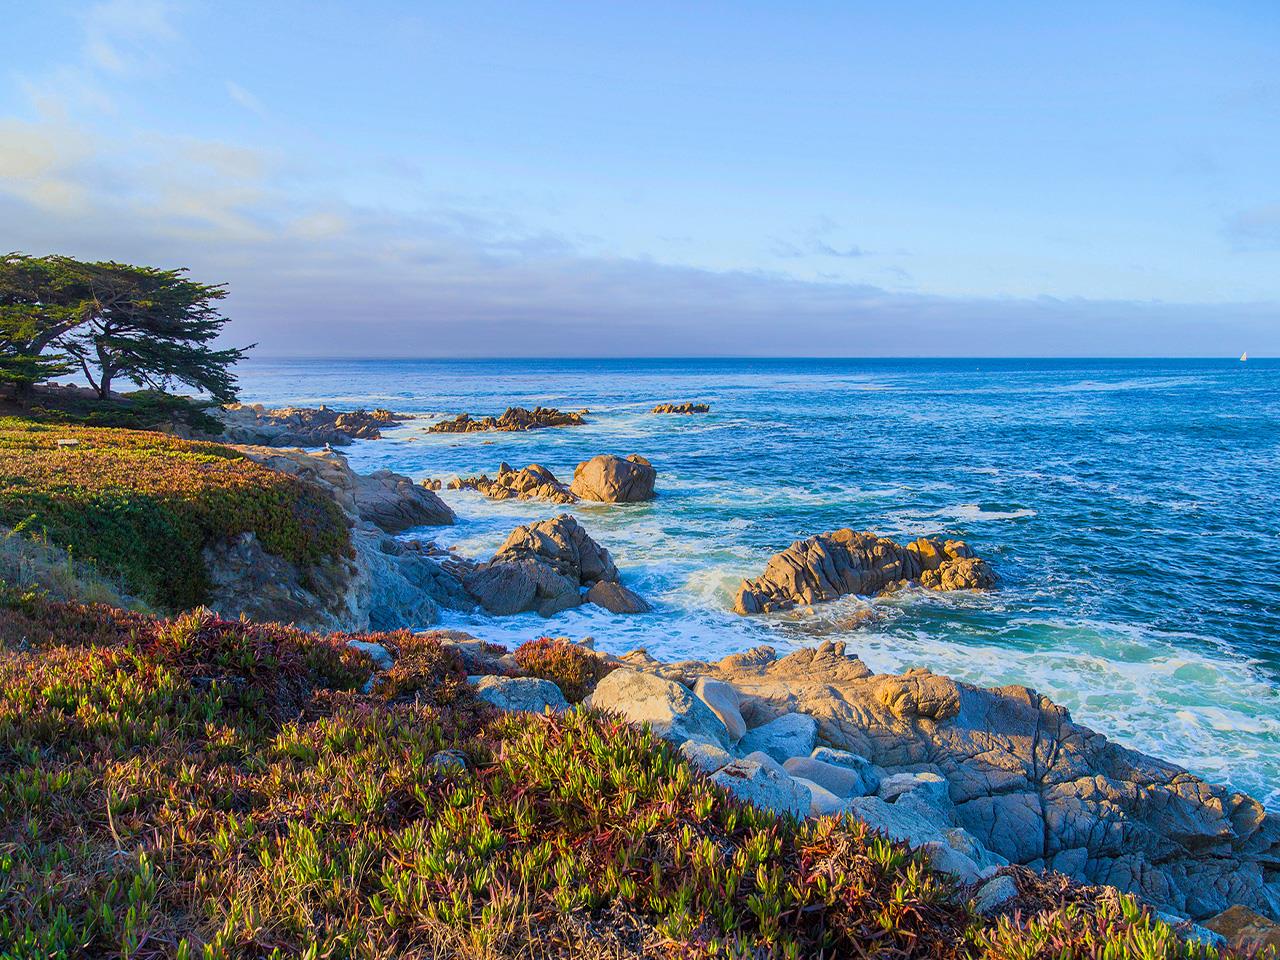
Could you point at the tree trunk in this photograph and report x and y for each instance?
(108, 372)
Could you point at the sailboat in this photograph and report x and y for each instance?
(1244, 356)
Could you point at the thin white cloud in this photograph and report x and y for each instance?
(242, 97)
(128, 36)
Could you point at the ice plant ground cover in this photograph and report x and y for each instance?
(200, 787)
(143, 505)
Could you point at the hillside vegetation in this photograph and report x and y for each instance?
(203, 788)
(143, 505)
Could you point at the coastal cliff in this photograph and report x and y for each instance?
(997, 791)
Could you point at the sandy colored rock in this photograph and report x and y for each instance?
(832, 565)
(513, 419)
(609, 479)
(1245, 929)
(722, 698)
(534, 482)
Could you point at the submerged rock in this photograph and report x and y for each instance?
(610, 479)
(512, 419)
(831, 565)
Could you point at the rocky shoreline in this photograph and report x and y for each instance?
(983, 780)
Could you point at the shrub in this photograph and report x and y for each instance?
(570, 666)
(144, 505)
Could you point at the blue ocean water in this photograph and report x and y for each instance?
(1130, 507)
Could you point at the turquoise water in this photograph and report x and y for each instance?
(1129, 506)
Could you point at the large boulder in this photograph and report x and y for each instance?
(790, 735)
(670, 709)
(723, 701)
(831, 565)
(394, 503)
(520, 585)
(521, 694)
(764, 786)
(610, 479)
(543, 567)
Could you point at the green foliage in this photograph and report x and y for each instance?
(205, 788)
(144, 505)
(41, 299)
(571, 667)
(155, 327)
(138, 410)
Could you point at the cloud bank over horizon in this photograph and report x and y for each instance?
(371, 252)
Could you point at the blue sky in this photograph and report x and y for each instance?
(662, 178)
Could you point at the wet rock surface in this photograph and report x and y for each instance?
(831, 565)
(544, 567)
(534, 482)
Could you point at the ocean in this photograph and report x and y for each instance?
(1130, 508)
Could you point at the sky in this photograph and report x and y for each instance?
(666, 179)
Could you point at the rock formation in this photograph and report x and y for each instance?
(534, 482)
(300, 426)
(610, 479)
(512, 419)
(681, 408)
(386, 585)
(976, 777)
(394, 503)
(543, 567)
(846, 561)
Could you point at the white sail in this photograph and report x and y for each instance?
(1244, 356)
